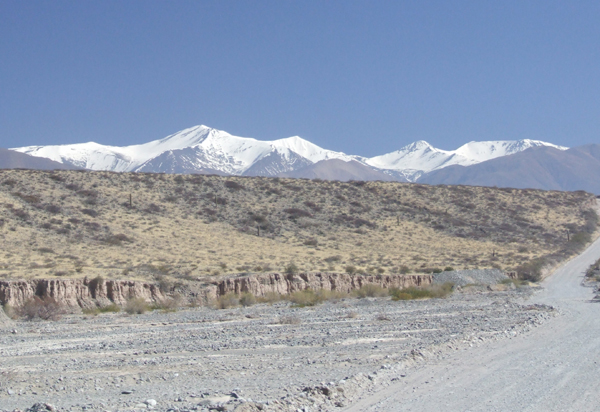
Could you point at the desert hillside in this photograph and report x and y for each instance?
(144, 226)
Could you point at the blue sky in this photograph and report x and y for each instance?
(363, 77)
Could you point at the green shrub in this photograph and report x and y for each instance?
(136, 306)
(351, 270)
(370, 290)
(247, 299)
(112, 308)
(404, 269)
(433, 291)
(167, 305)
(229, 300)
(304, 298)
(270, 297)
(291, 269)
(448, 269)
(532, 270)
(310, 297)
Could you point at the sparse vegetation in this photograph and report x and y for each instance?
(370, 291)
(44, 308)
(136, 306)
(112, 308)
(229, 300)
(247, 299)
(192, 223)
(433, 291)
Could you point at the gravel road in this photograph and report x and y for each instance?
(555, 367)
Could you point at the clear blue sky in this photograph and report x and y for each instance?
(363, 77)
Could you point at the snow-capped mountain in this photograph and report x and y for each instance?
(420, 157)
(201, 149)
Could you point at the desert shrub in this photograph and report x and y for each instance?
(207, 212)
(32, 199)
(21, 214)
(591, 220)
(136, 306)
(89, 212)
(45, 250)
(88, 193)
(370, 290)
(112, 308)
(295, 213)
(230, 184)
(304, 298)
(247, 299)
(10, 311)
(152, 208)
(96, 283)
(352, 221)
(229, 300)
(54, 209)
(448, 269)
(311, 242)
(291, 269)
(56, 178)
(594, 270)
(167, 305)
(579, 240)
(117, 240)
(270, 297)
(532, 270)
(313, 206)
(404, 269)
(433, 291)
(45, 308)
(351, 270)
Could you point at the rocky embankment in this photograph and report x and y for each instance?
(89, 293)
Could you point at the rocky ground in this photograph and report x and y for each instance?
(263, 357)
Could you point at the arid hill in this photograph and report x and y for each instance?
(148, 226)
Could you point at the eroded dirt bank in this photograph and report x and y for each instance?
(87, 293)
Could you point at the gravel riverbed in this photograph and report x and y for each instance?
(263, 357)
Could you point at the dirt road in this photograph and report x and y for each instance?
(555, 367)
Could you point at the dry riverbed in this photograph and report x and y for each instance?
(263, 357)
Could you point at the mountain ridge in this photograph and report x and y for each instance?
(200, 149)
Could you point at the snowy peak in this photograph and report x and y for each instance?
(201, 149)
(421, 156)
(482, 151)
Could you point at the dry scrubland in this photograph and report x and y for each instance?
(186, 227)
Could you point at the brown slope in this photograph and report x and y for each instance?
(9, 159)
(335, 169)
(538, 168)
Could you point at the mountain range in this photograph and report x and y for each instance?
(201, 149)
